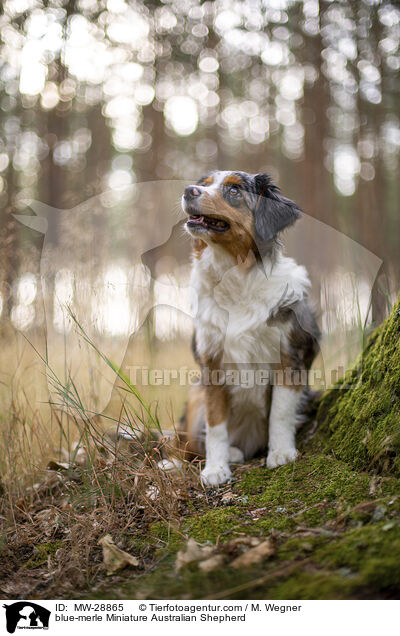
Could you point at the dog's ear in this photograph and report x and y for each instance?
(273, 212)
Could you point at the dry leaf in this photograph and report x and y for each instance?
(258, 512)
(212, 563)
(46, 514)
(228, 497)
(64, 470)
(244, 540)
(56, 465)
(114, 558)
(254, 555)
(193, 552)
(152, 493)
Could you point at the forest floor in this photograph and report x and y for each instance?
(314, 529)
(104, 522)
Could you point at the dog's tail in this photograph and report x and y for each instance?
(308, 406)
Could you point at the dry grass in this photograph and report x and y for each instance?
(51, 531)
(68, 479)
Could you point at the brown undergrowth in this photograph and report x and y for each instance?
(51, 530)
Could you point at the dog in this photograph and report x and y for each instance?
(253, 318)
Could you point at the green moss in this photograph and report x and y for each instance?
(358, 563)
(165, 536)
(361, 414)
(318, 478)
(309, 492)
(213, 525)
(42, 552)
(295, 548)
(360, 546)
(361, 563)
(318, 585)
(351, 554)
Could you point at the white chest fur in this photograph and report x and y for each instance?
(234, 306)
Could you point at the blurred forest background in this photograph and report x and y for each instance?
(98, 96)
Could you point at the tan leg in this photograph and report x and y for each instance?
(192, 429)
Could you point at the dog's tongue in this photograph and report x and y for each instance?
(199, 219)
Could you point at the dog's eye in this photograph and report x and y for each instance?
(235, 192)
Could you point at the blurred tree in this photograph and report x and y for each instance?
(99, 95)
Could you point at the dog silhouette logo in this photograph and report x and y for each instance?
(26, 615)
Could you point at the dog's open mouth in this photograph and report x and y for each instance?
(207, 223)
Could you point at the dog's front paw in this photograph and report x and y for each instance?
(215, 475)
(280, 457)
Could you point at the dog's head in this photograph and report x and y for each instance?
(239, 211)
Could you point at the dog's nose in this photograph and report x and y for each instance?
(191, 192)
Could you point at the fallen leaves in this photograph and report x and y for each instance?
(254, 555)
(192, 552)
(55, 465)
(228, 498)
(210, 557)
(114, 558)
(212, 563)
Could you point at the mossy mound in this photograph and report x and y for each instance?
(333, 516)
(361, 414)
(336, 534)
